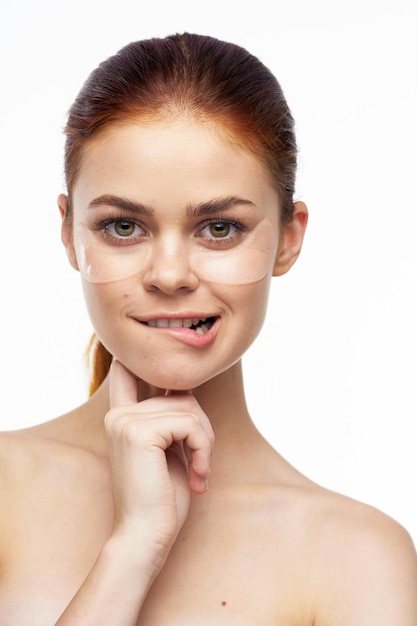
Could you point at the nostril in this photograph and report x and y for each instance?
(171, 277)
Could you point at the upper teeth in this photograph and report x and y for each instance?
(176, 323)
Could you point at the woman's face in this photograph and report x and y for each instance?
(175, 230)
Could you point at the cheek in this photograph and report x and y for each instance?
(250, 299)
(105, 304)
(248, 304)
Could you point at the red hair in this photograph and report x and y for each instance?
(194, 75)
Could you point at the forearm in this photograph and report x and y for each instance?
(159, 451)
(114, 590)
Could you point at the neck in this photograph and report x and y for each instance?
(221, 398)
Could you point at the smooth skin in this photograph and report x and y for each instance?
(106, 518)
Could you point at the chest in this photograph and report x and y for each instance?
(226, 567)
(230, 569)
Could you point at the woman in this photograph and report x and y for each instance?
(157, 501)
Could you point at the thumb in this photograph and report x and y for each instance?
(123, 386)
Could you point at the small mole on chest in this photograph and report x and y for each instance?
(223, 603)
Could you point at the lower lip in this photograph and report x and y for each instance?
(190, 337)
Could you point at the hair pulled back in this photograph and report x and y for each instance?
(196, 76)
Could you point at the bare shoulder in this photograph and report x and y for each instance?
(68, 438)
(332, 515)
(39, 462)
(22, 457)
(362, 563)
(333, 561)
(18, 453)
(21, 451)
(49, 448)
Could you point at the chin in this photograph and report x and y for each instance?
(176, 383)
(173, 378)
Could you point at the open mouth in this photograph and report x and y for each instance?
(200, 326)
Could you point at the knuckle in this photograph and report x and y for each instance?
(189, 403)
(123, 427)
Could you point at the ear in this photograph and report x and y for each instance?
(291, 240)
(67, 231)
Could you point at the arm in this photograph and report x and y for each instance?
(116, 587)
(159, 451)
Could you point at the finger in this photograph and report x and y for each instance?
(191, 405)
(123, 386)
(198, 468)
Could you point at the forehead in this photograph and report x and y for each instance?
(170, 162)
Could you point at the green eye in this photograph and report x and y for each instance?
(124, 229)
(220, 229)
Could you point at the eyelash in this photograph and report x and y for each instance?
(222, 241)
(103, 227)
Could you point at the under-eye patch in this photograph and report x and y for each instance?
(246, 259)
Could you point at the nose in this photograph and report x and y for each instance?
(169, 269)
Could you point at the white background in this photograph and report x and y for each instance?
(332, 379)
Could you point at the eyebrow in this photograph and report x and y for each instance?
(210, 207)
(121, 203)
(217, 205)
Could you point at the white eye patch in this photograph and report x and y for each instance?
(246, 259)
